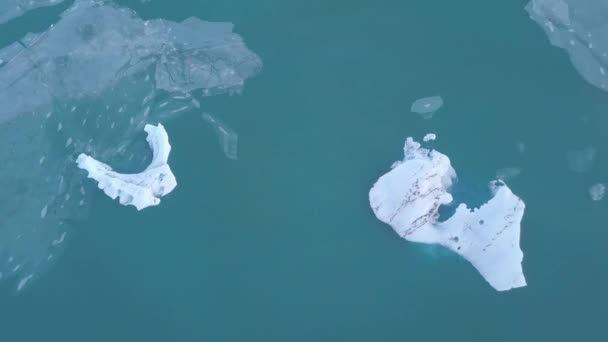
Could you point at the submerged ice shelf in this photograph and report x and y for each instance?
(143, 189)
(408, 199)
(11, 9)
(427, 106)
(581, 29)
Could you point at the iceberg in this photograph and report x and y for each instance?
(90, 84)
(408, 199)
(11, 9)
(143, 189)
(581, 29)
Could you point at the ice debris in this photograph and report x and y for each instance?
(408, 198)
(427, 106)
(143, 189)
(597, 191)
(508, 173)
(429, 137)
(226, 136)
(580, 28)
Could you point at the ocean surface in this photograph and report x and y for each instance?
(281, 244)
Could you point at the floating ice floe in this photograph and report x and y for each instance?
(10, 9)
(143, 189)
(427, 106)
(429, 137)
(579, 27)
(408, 198)
(597, 191)
(508, 173)
(581, 160)
(226, 136)
(89, 84)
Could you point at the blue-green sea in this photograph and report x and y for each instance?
(281, 244)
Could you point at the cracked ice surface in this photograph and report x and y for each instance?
(579, 27)
(143, 189)
(89, 84)
(408, 198)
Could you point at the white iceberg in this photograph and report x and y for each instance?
(408, 199)
(143, 189)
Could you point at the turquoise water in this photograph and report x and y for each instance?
(281, 245)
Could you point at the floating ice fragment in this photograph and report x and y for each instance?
(408, 198)
(597, 191)
(429, 137)
(59, 240)
(427, 106)
(227, 137)
(43, 211)
(507, 173)
(581, 160)
(143, 189)
(24, 281)
(578, 27)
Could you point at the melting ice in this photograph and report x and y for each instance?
(408, 198)
(226, 136)
(427, 106)
(143, 189)
(89, 85)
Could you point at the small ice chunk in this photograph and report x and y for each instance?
(227, 137)
(597, 191)
(427, 106)
(408, 198)
(430, 137)
(44, 211)
(143, 189)
(507, 173)
(24, 281)
(59, 240)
